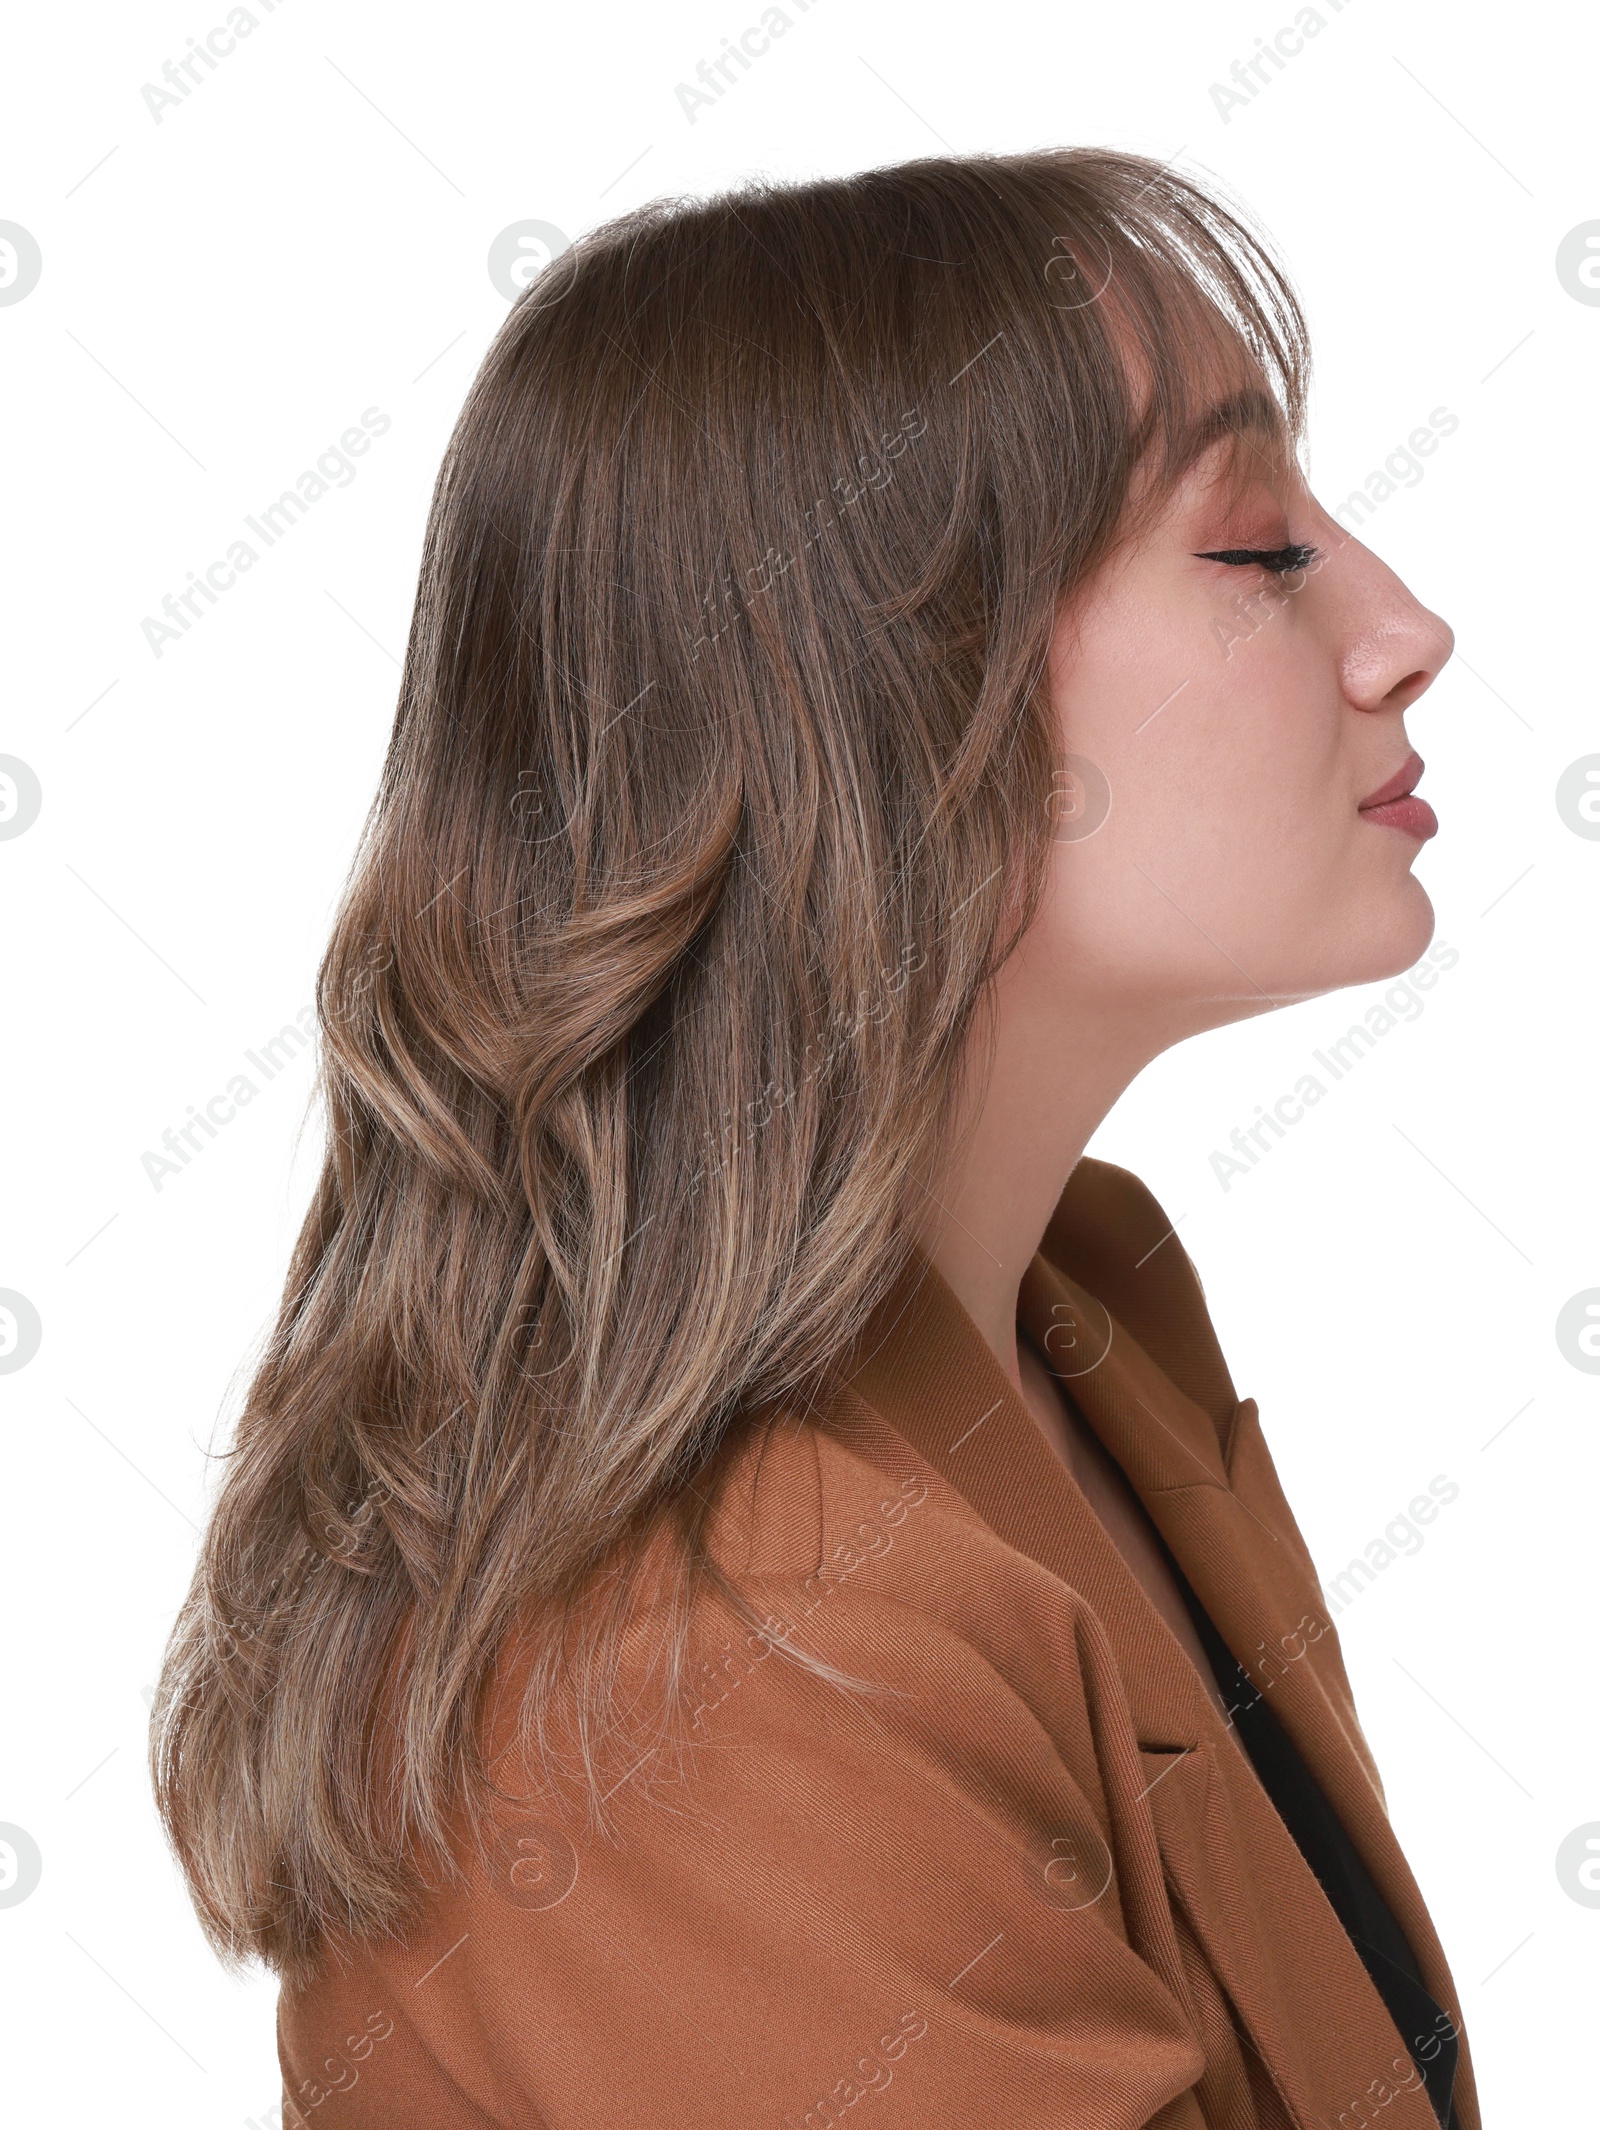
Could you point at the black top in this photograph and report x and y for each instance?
(1424, 2026)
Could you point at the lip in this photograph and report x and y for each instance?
(1395, 804)
(1413, 816)
(1400, 785)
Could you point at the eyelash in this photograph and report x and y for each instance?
(1280, 561)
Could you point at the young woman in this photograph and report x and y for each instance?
(745, 1587)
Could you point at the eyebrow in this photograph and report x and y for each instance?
(1246, 413)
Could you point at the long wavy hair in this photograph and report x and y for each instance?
(720, 784)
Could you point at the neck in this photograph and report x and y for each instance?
(1055, 1074)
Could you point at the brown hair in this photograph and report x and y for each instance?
(718, 789)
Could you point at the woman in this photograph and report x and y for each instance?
(744, 1585)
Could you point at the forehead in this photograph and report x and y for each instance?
(1245, 424)
(1203, 409)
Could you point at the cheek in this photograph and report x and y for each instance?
(1212, 752)
(1263, 743)
(1227, 846)
(1230, 860)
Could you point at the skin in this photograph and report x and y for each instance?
(1233, 873)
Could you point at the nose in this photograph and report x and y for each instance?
(1392, 645)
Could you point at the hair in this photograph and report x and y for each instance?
(719, 787)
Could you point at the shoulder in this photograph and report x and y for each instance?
(913, 1769)
(770, 1932)
(856, 1554)
(912, 1805)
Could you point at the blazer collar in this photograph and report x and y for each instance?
(924, 1366)
(1186, 1442)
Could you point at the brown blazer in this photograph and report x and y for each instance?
(1032, 1880)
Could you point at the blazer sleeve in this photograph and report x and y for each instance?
(901, 1896)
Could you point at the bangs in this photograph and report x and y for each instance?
(1203, 321)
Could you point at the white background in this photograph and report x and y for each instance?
(305, 236)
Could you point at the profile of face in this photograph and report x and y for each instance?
(1231, 689)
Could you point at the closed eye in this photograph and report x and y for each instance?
(1280, 560)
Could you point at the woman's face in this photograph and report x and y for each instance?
(1217, 846)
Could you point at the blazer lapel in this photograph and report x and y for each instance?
(925, 1367)
(1234, 1537)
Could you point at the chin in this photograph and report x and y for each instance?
(1413, 928)
(1378, 938)
(1391, 940)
